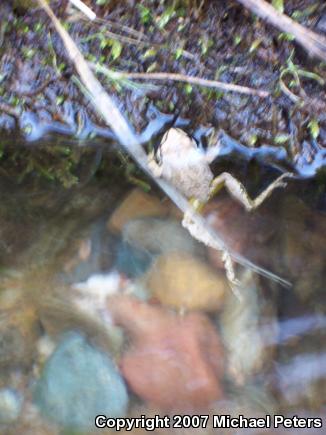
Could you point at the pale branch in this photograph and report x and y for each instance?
(193, 80)
(312, 42)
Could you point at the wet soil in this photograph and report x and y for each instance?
(40, 95)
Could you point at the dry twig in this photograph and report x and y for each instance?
(84, 9)
(166, 76)
(122, 27)
(314, 44)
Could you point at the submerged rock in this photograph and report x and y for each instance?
(160, 236)
(145, 238)
(181, 281)
(19, 329)
(132, 261)
(174, 362)
(136, 204)
(31, 423)
(249, 234)
(79, 382)
(304, 249)
(90, 253)
(10, 405)
(249, 330)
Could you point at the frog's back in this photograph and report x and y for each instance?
(184, 165)
(193, 180)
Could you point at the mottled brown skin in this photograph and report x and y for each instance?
(180, 162)
(184, 165)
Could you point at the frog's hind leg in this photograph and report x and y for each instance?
(230, 274)
(238, 191)
(201, 235)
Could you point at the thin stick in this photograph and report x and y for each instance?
(84, 9)
(165, 76)
(311, 41)
(122, 27)
(111, 114)
(229, 87)
(128, 39)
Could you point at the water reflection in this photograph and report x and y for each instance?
(111, 306)
(296, 377)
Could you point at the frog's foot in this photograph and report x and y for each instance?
(238, 191)
(230, 274)
(153, 166)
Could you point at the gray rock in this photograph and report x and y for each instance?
(79, 382)
(10, 405)
(148, 237)
(160, 236)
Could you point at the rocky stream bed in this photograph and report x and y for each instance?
(107, 304)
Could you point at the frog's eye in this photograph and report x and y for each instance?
(158, 154)
(164, 138)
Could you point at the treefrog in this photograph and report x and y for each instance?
(186, 166)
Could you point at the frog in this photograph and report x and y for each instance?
(186, 166)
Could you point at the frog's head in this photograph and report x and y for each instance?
(173, 142)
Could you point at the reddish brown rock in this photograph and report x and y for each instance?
(304, 248)
(174, 362)
(245, 233)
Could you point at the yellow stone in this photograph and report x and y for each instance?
(183, 282)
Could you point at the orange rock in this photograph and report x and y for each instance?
(174, 362)
(137, 204)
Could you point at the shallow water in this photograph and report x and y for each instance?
(63, 253)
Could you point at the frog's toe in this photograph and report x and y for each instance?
(286, 175)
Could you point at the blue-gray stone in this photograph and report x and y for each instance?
(131, 260)
(79, 382)
(10, 405)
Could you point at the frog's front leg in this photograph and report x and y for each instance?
(238, 191)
